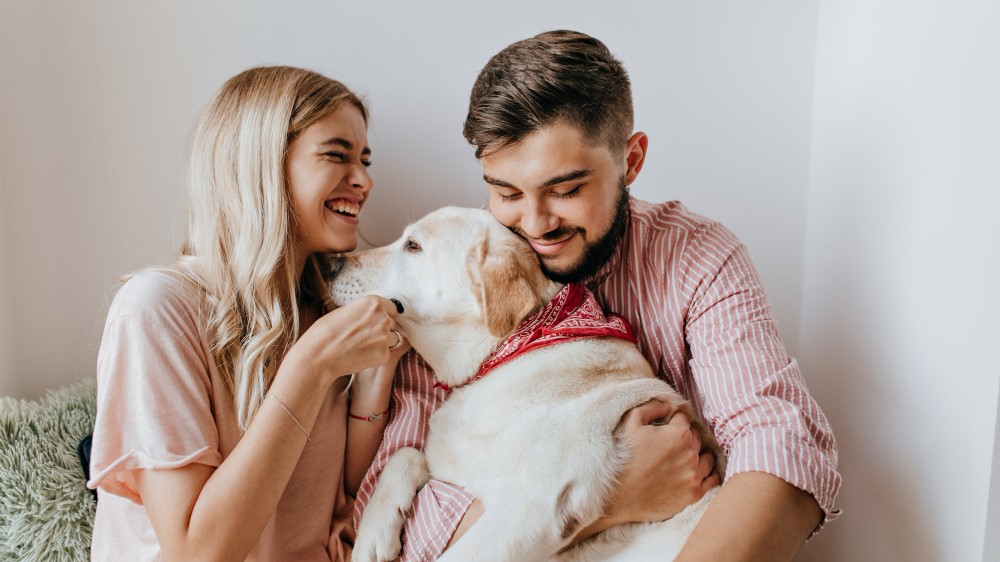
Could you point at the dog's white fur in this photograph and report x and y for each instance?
(536, 440)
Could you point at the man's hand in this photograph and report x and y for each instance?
(667, 470)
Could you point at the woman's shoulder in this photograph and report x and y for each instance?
(158, 294)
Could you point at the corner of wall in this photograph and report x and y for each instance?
(991, 546)
(8, 382)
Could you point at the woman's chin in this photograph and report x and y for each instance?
(343, 246)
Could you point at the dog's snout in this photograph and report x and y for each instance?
(348, 278)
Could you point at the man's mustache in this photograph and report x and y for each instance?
(551, 236)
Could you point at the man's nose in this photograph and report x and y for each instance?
(538, 220)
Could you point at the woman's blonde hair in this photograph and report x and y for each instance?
(241, 227)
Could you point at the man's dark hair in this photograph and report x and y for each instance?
(554, 76)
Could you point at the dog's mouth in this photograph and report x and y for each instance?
(344, 207)
(336, 264)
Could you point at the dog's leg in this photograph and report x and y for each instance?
(382, 523)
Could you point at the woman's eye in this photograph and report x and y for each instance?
(411, 246)
(366, 163)
(335, 155)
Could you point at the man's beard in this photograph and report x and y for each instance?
(596, 253)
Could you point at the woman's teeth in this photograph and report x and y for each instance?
(344, 207)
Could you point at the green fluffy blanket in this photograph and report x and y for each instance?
(46, 513)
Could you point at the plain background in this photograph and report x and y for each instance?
(853, 145)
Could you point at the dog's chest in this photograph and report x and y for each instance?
(484, 412)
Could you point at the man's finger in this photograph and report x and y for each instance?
(646, 413)
(706, 462)
(680, 420)
(712, 481)
(695, 440)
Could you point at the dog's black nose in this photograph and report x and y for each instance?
(399, 305)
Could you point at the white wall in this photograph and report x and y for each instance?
(900, 313)
(98, 99)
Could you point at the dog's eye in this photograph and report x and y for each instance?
(411, 246)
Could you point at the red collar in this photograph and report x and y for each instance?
(572, 313)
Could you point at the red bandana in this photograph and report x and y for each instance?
(572, 313)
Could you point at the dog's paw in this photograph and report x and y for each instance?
(378, 541)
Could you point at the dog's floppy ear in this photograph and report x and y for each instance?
(510, 284)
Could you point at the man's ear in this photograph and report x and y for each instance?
(507, 291)
(635, 155)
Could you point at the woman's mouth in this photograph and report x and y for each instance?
(344, 207)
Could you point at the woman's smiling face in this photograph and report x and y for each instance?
(328, 181)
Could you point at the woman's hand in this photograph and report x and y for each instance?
(351, 338)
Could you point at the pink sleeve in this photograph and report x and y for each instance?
(154, 405)
(755, 397)
(439, 506)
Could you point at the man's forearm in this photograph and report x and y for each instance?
(756, 516)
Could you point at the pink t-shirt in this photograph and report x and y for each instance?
(162, 404)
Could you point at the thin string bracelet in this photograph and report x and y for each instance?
(309, 442)
(371, 418)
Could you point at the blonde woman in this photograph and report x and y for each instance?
(228, 427)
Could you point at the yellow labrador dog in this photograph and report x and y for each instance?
(537, 439)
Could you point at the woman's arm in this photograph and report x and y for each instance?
(201, 513)
(369, 396)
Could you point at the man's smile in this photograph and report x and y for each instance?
(549, 247)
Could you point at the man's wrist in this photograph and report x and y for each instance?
(601, 525)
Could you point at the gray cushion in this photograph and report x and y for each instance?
(46, 512)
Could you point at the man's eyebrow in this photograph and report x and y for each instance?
(568, 176)
(555, 180)
(348, 145)
(495, 181)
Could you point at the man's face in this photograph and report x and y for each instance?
(566, 196)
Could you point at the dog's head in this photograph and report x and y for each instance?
(464, 280)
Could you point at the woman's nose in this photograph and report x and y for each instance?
(360, 178)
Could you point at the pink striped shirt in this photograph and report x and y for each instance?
(696, 302)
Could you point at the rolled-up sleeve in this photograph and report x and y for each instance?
(154, 406)
(754, 395)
